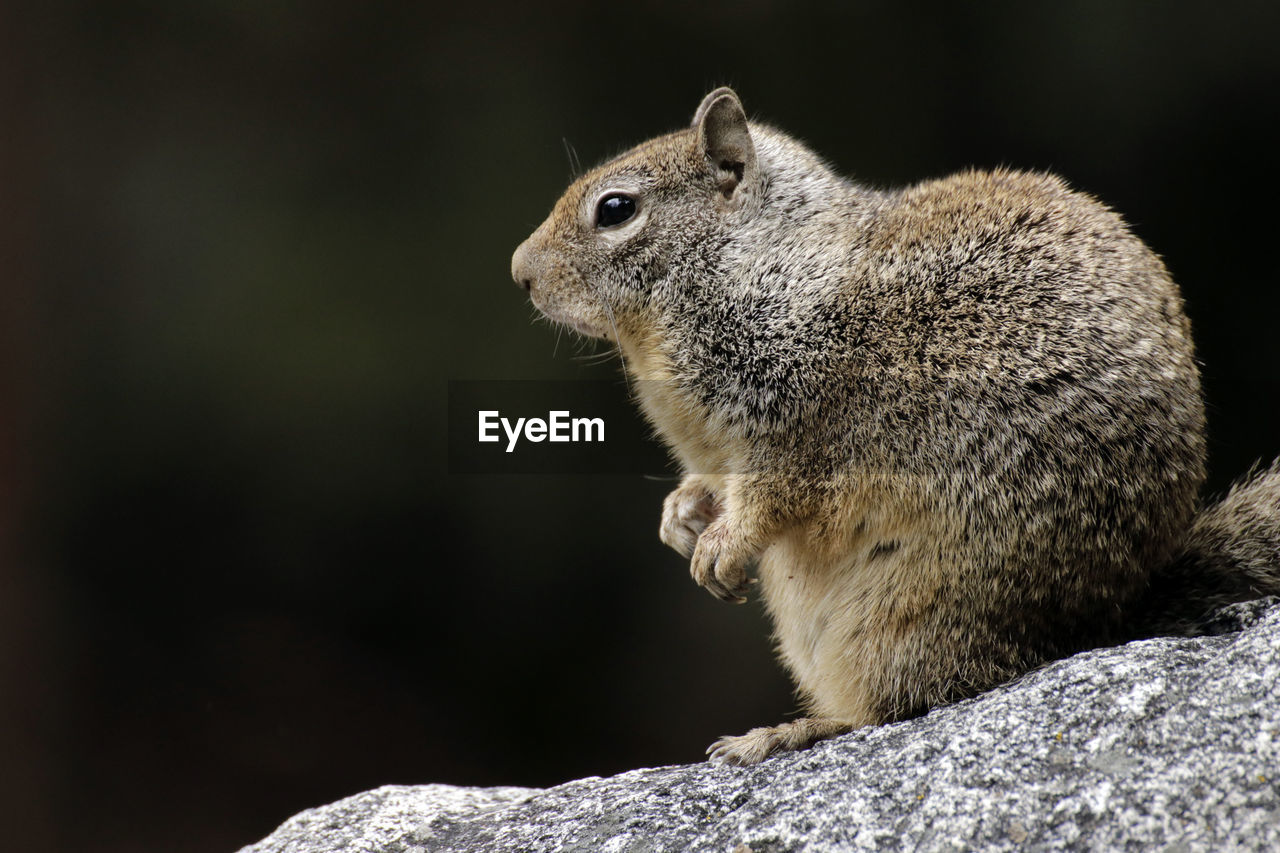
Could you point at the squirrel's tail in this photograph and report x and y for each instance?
(1231, 553)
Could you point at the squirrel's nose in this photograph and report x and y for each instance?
(521, 267)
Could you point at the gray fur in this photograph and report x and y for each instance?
(959, 426)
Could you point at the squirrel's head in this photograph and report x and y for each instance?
(642, 223)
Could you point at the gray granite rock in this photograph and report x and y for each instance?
(1170, 744)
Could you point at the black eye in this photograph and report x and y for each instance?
(615, 209)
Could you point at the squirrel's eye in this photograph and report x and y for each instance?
(614, 210)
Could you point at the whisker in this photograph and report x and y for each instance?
(608, 309)
(593, 358)
(575, 165)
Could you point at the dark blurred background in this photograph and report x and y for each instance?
(245, 246)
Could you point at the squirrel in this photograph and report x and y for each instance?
(957, 428)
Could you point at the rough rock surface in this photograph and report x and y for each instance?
(1169, 744)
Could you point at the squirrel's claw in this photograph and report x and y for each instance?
(743, 750)
(686, 512)
(718, 566)
(758, 744)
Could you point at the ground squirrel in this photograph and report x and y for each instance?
(957, 428)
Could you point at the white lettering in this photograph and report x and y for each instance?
(488, 423)
(587, 424)
(559, 426)
(513, 435)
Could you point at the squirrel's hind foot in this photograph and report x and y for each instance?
(758, 744)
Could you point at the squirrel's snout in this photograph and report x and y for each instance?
(521, 268)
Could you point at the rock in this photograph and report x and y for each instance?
(1169, 743)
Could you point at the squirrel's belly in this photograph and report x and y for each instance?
(839, 621)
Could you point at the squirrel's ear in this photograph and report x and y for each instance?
(724, 140)
(711, 98)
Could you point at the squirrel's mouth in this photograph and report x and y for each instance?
(590, 331)
(587, 329)
(579, 325)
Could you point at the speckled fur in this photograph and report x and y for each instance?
(958, 426)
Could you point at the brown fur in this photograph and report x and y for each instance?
(958, 426)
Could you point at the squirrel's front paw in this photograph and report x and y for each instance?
(720, 561)
(686, 513)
